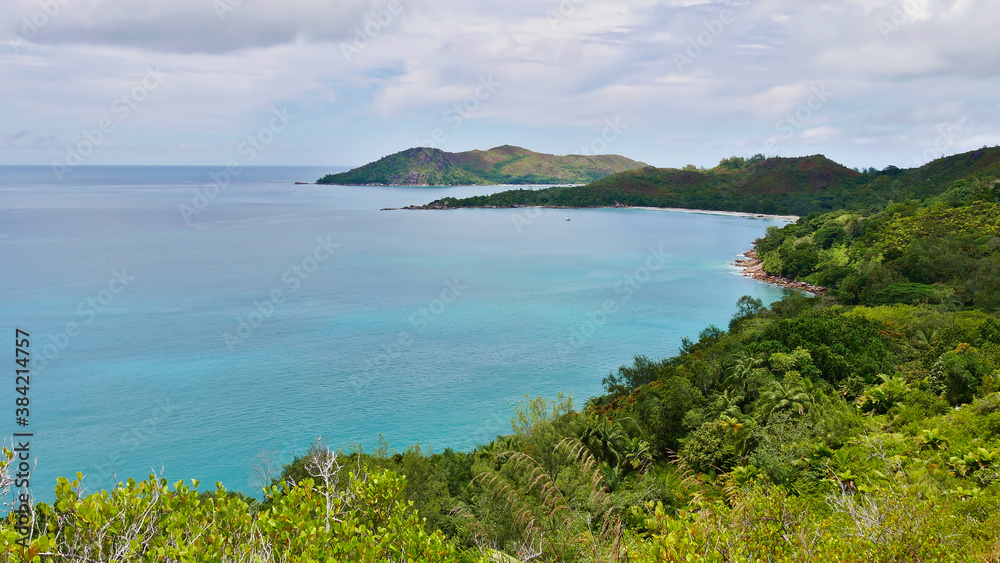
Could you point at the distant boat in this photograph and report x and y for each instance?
(567, 217)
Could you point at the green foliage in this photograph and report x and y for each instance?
(312, 521)
(709, 449)
(500, 165)
(959, 373)
(564, 511)
(739, 163)
(746, 308)
(989, 331)
(798, 258)
(630, 378)
(926, 251)
(906, 292)
(761, 522)
(799, 186)
(531, 414)
(660, 410)
(880, 399)
(839, 345)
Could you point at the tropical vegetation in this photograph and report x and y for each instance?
(785, 186)
(506, 164)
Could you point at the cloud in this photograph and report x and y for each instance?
(12, 139)
(820, 133)
(24, 140)
(186, 26)
(564, 66)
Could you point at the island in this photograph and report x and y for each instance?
(507, 164)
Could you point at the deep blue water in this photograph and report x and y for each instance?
(188, 342)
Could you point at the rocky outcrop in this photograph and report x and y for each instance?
(752, 268)
(436, 204)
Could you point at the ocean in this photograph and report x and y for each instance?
(187, 321)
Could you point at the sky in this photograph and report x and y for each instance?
(345, 82)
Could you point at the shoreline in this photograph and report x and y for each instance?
(752, 268)
(439, 205)
(788, 218)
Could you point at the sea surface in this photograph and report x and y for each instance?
(188, 323)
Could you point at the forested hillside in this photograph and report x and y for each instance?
(940, 250)
(785, 186)
(507, 164)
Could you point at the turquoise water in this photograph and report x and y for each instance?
(279, 313)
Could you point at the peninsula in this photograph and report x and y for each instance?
(758, 185)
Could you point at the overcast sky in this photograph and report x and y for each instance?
(344, 82)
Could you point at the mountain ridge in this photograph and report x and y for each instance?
(505, 164)
(774, 186)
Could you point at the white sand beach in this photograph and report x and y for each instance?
(788, 218)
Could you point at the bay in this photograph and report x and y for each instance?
(182, 325)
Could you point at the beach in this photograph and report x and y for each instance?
(787, 218)
(439, 204)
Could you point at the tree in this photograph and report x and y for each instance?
(663, 407)
(710, 448)
(880, 399)
(532, 513)
(958, 374)
(317, 519)
(606, 440)
(748, 306)
(629, 378)
(799, 259)
(794, 398)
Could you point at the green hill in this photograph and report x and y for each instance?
(938, 249)
(932, 179)
(798, 186)
(500, 165)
